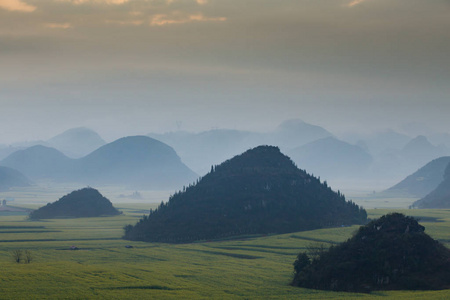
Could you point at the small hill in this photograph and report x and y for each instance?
(332, 158)
(258, 192)
(40, 162)
(12, 178)
(438, 198)
(84, 203)
(390, 253)
(77, 142)
(423, 181)
(136, 161)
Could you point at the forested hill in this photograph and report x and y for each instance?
(390, 253)
(87, 202)
(258, 192)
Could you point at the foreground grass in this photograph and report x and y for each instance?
(103, 268)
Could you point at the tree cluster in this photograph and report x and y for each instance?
(392, 252)
(87, 202)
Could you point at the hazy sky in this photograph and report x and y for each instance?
(137, 66)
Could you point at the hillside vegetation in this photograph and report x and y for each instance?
(390, 253)
(87, 202)
(258, 192)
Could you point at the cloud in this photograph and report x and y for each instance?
(113, 2)
(58, 25)
(16, 5)
(178, 18)
(355, 2)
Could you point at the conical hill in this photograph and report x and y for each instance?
(87, 202)
(258, 192)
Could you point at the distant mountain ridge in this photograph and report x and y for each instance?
(257, 192)
(77, 142)
(423, 181)
(12, 178)
(331, 158)
(138, 162)
(439, 197)
(201, 150)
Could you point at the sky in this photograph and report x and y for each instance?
(125, 67)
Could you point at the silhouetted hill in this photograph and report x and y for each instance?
(40, 162)
(331, 158)
(136, 161)
(87, 202)
(258, 192)
(422, 151)
(439, 197)
(423, 181)
(12, 178)
(201, 150)
(295, 132)
(77, 142)
(390, 253)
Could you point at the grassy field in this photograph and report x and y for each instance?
(103, 268)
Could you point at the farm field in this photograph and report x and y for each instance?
(253, 267)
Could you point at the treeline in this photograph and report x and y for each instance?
(258, 192)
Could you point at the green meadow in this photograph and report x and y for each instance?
(251, 267)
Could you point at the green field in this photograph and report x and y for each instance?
(248, 268)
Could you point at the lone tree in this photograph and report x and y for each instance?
(17, 255)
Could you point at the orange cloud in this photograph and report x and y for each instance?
(58, 25)
(16, 5)
(355, 2)
(114, 2)
(163, 19)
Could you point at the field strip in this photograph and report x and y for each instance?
(265, 250)
(59, 240)
(235, 255)
(313, 239)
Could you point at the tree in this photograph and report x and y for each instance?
(301, 262)
(28, 257)
(17, 255)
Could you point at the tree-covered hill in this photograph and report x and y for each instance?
(258, 192)
(390, 253)
(438, 198)
(87, 202)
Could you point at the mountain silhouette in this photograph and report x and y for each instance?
(439, 197)
(136, 162)
(258, 192)
(331, 158)
(84, 203)
(77, 142)
(423, 181)
(12, 178)
(41, 162)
